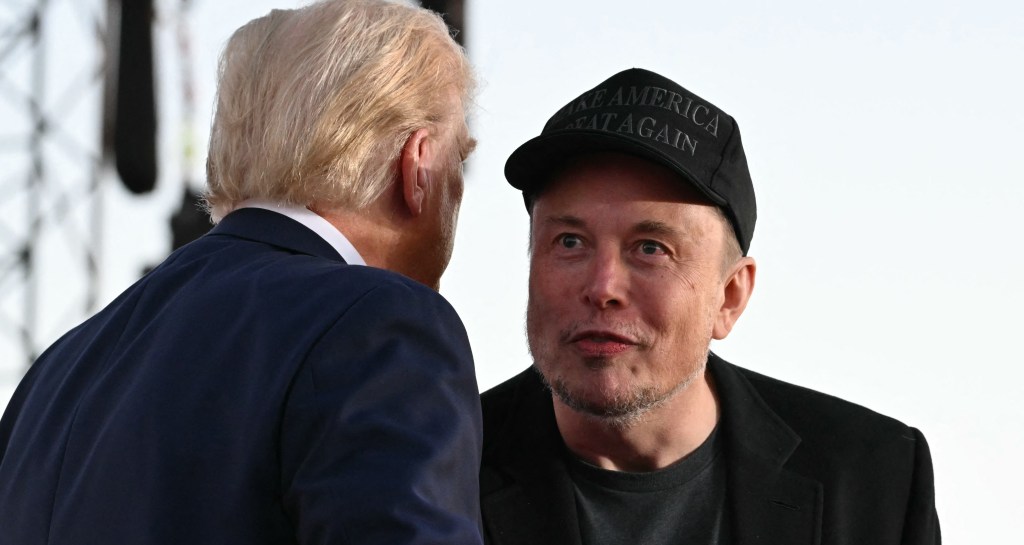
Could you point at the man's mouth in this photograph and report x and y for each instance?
(601, 343)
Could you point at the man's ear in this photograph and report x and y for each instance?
(736, 290)
(415, 167)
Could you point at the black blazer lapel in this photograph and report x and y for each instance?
(276, 229)
(770, 505)
(551, 507)
(532, 483)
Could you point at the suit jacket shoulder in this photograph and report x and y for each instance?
(872, 474)
(253, 388)
(835, 426)
(804, 467)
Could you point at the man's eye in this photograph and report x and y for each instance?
(650, 247)
(570, 241)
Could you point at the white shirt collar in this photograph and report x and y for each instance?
(314, 222)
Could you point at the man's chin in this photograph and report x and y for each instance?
(606, 404)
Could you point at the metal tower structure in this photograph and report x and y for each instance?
(51, 86)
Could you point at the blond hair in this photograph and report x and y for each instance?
(315, 104)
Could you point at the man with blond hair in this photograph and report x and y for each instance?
(293, 376)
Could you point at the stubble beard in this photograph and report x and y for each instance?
(625, 409)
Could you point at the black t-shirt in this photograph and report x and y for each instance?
(681, 504)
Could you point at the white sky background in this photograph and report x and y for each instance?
(884, 139)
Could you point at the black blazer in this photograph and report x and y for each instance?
(804, 468)
(252, 389)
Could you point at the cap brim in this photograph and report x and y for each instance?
(531, 165)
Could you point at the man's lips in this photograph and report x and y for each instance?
(601, 343)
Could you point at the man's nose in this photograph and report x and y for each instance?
(606, 282)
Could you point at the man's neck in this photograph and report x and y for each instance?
(659, 438)
(385, 238)
(375, 240)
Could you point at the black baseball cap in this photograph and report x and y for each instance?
(648, 115)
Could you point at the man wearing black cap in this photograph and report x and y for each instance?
(627, 429)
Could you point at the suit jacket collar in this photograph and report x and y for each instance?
(532, 454)
(770, 504)
(276, 229)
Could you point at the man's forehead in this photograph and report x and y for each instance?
(593, 205)
(670, 220)
(641, 225)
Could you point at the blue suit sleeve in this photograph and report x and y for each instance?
(381, 436)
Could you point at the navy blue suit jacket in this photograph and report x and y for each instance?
(252, 389)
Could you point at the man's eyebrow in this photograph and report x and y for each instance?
(565, 221)
(654, 227)
(468, 145)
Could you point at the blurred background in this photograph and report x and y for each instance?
(885, 141)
